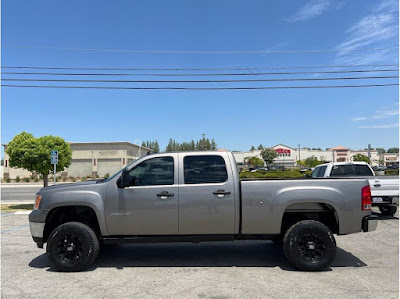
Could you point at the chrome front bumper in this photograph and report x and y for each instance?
(37, 229)
(370, 223)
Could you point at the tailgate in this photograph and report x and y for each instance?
(384, 187)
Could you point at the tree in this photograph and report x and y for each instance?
(361, 158)
(381, 150)
(268, 155)
(312, 162)
(260, 147)
(252, 148)
(33, 154)
(393, 150)
(254, 161)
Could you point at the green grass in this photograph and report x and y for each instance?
(16, 207)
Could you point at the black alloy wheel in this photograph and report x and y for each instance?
(309, 246)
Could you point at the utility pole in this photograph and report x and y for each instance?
(203, 141)
(369, 152)
(299, 156)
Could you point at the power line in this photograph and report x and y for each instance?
(202, 88)
(202, 52)
(202, 81)
(197, 69)
(192, 75)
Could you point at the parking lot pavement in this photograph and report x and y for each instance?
(366, 266)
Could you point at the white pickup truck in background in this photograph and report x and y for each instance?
(384, 189)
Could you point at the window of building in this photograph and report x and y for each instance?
(204, 169)
(156, 171)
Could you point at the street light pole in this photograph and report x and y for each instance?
(299, 155)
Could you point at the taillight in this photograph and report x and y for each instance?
(366, 198)
(37, 202)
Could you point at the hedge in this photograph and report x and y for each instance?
(275, 174)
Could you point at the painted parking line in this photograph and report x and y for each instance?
(6, 214)
(16, 213)
(13, 229)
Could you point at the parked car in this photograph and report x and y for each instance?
(384, 189)
(199, 197)
(260, 168)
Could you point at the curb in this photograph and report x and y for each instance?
(16, 213)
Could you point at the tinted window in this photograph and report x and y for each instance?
(321, 172)
(315, 172)
(204, 169)
(351, 170)
(156, 171)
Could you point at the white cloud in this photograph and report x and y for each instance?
(380, 126)
(359, 118)
(311, 10)
(381, 113)
(379, 29)
(385, 114)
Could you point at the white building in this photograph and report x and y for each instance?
(288, 156)
(90, 159)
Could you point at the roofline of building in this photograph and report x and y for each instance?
(284, 145)
(103, 142)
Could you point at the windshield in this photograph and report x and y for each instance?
(119, 171)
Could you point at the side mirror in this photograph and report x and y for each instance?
(124, 179)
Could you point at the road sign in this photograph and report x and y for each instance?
(54, 161)
(54, 157)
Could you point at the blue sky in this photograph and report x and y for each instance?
(236, 119)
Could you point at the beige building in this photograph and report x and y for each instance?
(90, 159)
(288, 156)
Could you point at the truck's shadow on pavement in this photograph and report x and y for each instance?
(213, 254)
(383, 217)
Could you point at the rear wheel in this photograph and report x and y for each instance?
(388, 210)
(72, 247)
(309, 246)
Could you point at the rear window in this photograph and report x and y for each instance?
(351, 170)
(204, 169)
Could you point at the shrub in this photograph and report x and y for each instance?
(272, 174)
(17, 179)
(64, 179)
(84, 179)
(27, 180)
(73, 179)
(107, 175)
(36, 180)
(392, 172)
(8, 180)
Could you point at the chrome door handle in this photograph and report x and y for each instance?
(165, 194)
(221, 193)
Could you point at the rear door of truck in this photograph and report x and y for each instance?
(206, 194)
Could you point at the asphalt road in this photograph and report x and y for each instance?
(366, 266)
(19, 194)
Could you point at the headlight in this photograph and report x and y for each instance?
(37, 202)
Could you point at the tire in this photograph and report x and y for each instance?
(72, 247)
(388, 210)
(309, 246)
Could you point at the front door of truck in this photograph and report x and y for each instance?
(206, 194)
(149, 206)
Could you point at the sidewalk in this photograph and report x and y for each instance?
(28, 185)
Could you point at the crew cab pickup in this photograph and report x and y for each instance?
(196, 197)
(384, 189)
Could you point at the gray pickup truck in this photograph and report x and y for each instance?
(196, 197)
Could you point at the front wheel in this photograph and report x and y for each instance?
(72, 247)
(388, 210)
(309, 246)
